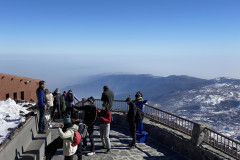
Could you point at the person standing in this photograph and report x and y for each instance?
(139, 102)
(49, 98)
(107, 96)
(105, 120)
(63, 104)
(89, 119)
(57, 103)
(42, 107)
(69, 100)
(131, 121)
(76, 120)
(68, 149)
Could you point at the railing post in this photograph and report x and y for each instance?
(198, 134)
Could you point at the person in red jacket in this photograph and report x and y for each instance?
(105, 120)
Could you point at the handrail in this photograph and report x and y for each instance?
(212, 138)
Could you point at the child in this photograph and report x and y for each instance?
(105, 120)
(76, 120)
(67, 136)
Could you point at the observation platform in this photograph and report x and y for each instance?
(120, 138)
(170, 137)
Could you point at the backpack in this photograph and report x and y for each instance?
(76, 139)
(139, 115)
(83, 129)
(70, 97)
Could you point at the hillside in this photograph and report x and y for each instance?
(215, 101)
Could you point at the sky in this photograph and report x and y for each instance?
(63, 41)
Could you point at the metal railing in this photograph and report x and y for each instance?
(222, 143)
(216, 140)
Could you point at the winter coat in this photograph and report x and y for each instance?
(90, 114)
(49, 100)
(131, 112)
(67, 137)
(40, 97)
(57, 98)
(68, 104)
(105, 116)
(140, 104)
(108, 96)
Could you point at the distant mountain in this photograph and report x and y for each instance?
(152, 87)
(215, 101)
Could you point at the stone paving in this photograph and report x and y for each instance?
(120, 138)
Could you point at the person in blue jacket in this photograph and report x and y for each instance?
(139, 102)
(41, 106)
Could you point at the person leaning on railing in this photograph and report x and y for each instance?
(131, 121)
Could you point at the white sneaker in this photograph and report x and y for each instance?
(91, 153)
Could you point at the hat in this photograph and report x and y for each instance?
(91, 99)
(57, 90)
(67, 119)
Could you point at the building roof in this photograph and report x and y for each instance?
(2, 76)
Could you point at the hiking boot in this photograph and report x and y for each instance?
(132, 147)
(91, 153)
(108, 151)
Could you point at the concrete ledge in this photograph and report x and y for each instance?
(20, 141)
(36, 149)
(175, 140)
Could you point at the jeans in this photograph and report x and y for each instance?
(104, 134)
(41, 124)
(90, 132)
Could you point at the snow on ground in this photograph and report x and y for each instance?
(10, 117)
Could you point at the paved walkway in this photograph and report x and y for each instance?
(120, 138)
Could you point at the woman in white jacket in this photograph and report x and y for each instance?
(67, 136)
(49, 98)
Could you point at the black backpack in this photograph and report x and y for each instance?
(70, 97)
(139, 115)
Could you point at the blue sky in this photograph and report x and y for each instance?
(64, 41)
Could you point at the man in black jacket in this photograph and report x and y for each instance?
(107, 96)
(89, 120)
(131, 121)
(56, 103)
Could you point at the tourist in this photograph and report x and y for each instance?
(139, 102)
(89, 119)
(76, 120)
(62, 104)
(49, 98)
(67, 136)
(108, 97)
(69, 100)
(105, 120)
(57, 103)
(42, 107)
(131, 121)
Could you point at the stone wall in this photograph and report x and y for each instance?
(175, 140)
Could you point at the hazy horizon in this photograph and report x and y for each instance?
(64, 42)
